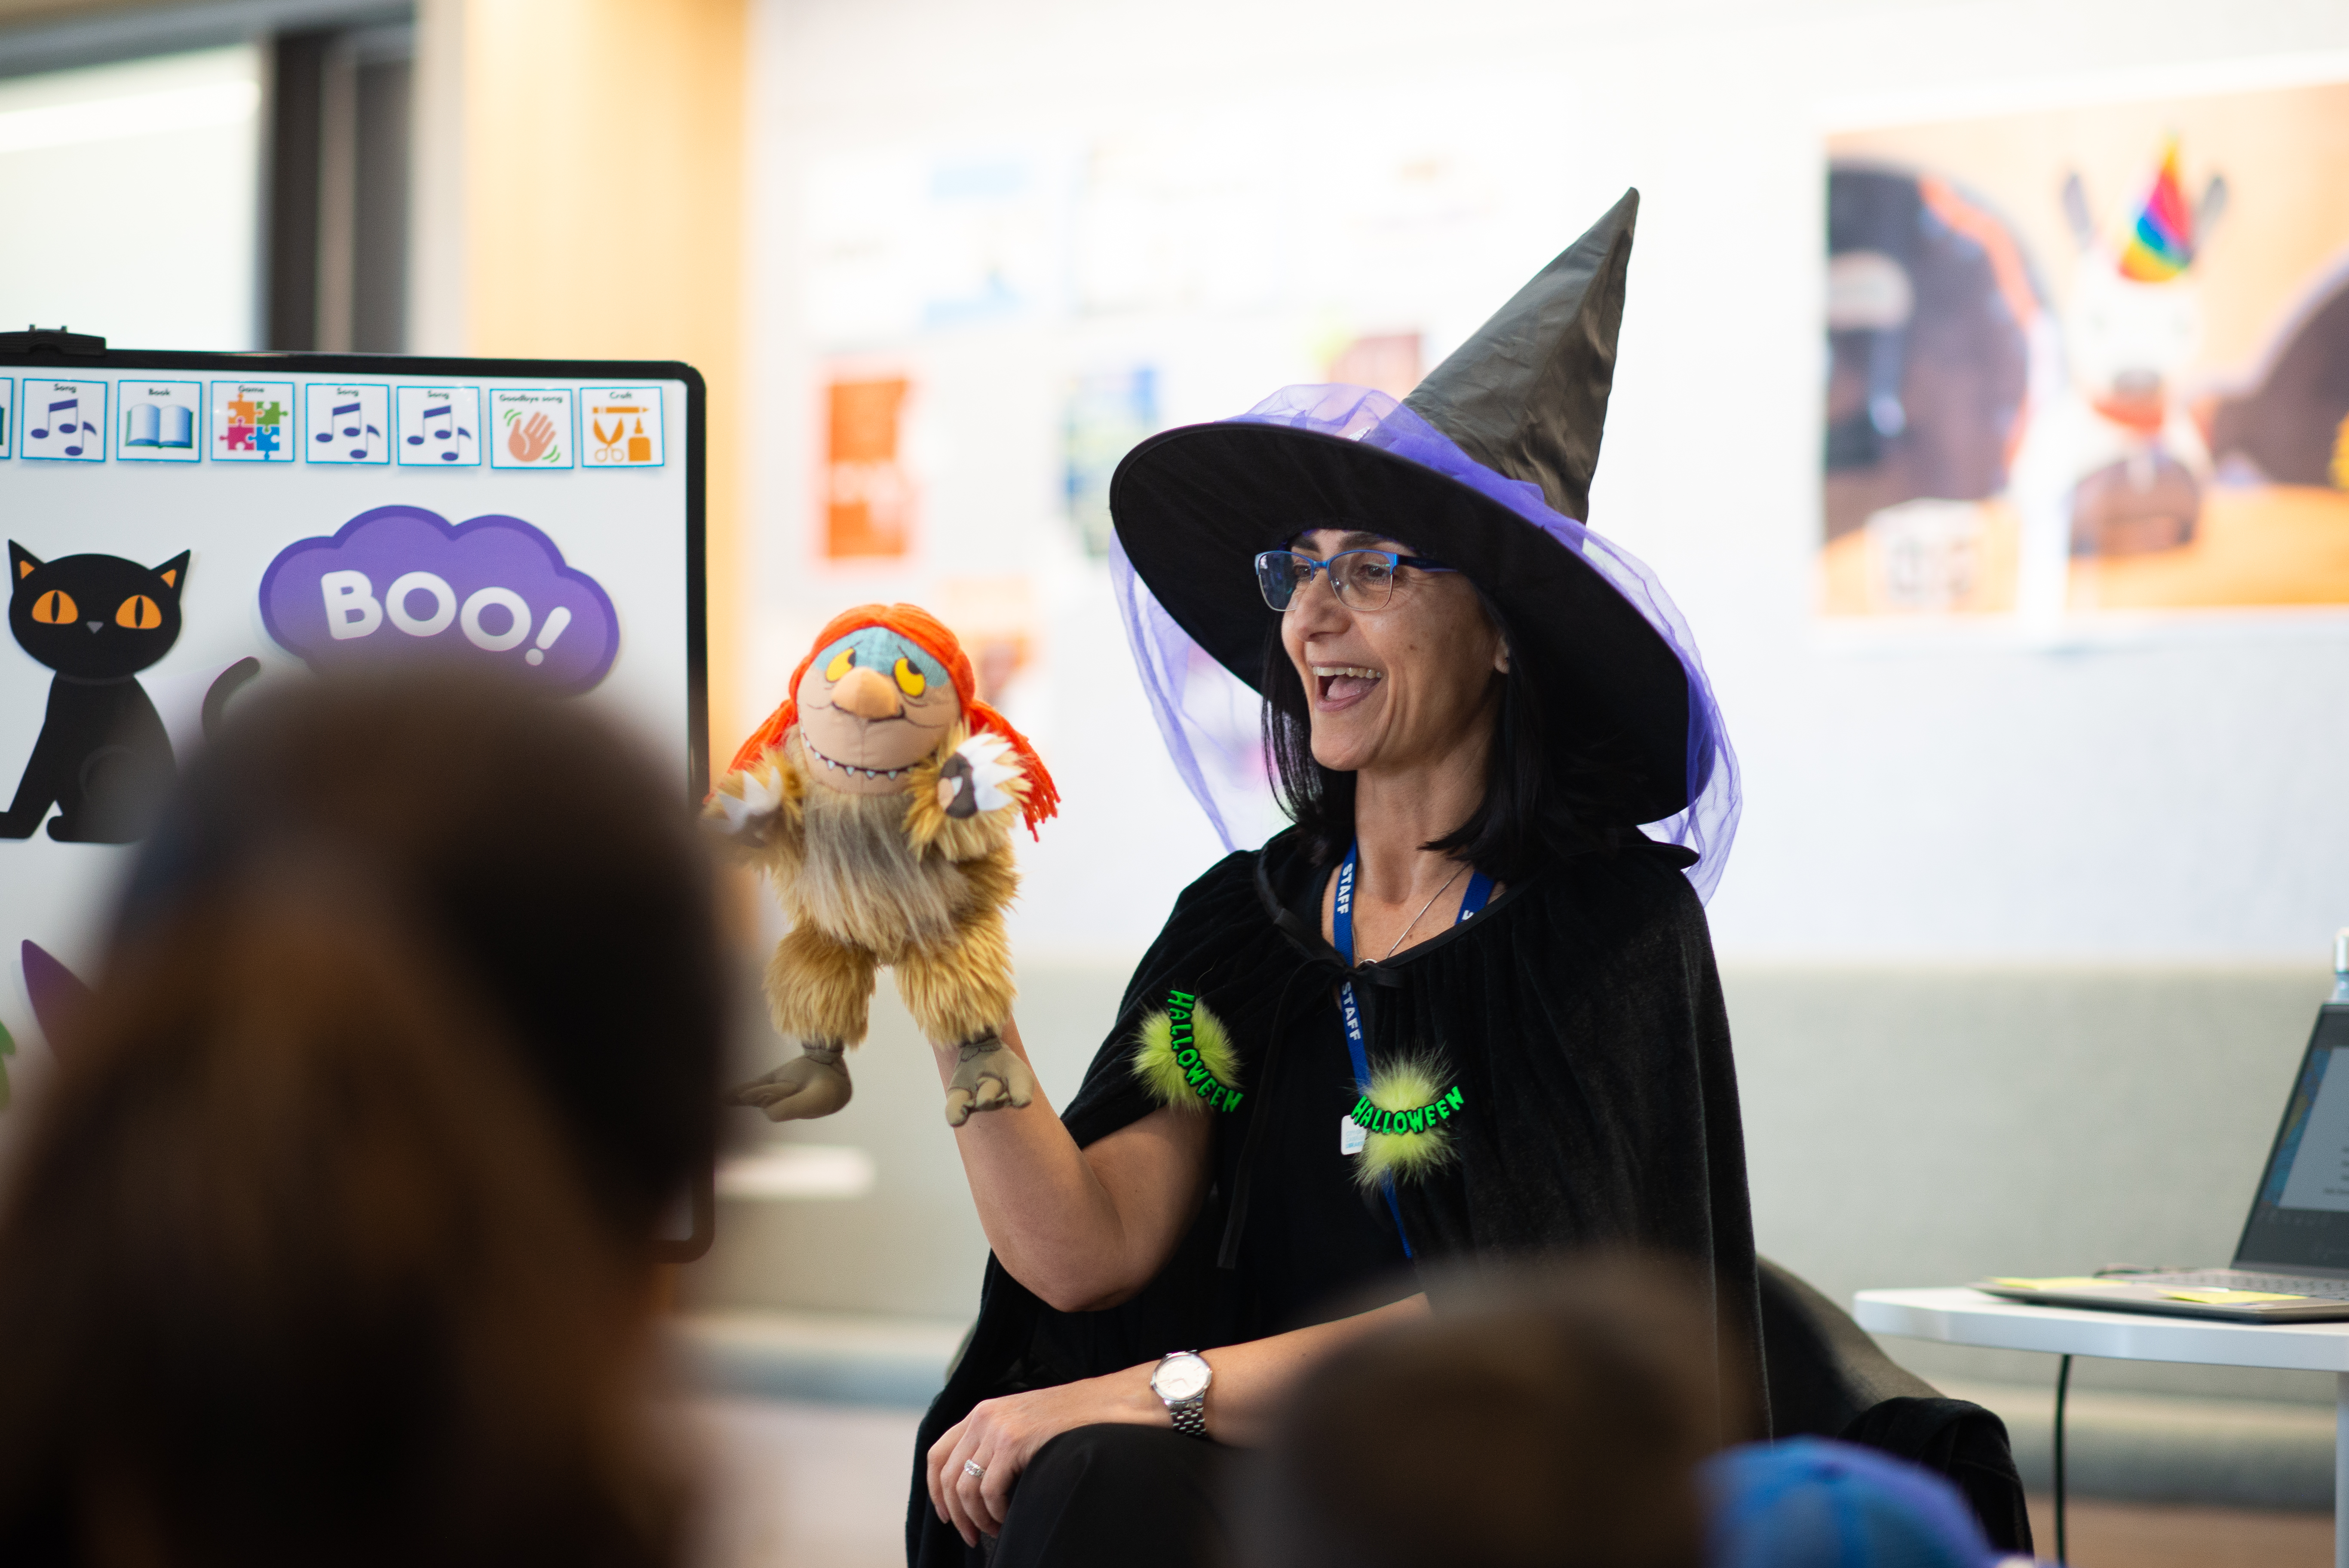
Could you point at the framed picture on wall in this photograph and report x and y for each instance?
(2087, 361)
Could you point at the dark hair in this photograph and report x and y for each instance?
(1549, 1421)
(300, 1273)
(1535, 807)
(550, 865)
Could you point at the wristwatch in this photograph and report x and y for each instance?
(1182, 1380)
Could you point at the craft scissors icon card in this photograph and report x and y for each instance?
(623, 428)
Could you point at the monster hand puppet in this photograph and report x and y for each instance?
(880, 800)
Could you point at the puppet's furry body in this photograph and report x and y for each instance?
(896, 880)
(879, 799)
(874, 879)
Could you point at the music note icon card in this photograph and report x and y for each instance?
(159, 420)
(345, 424)
(439, 427)
(65, 421)
(530, 428)
(622, 427)
(252, 422)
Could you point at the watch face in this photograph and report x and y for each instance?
(1183, 1377)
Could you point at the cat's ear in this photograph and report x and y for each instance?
(21, 562)
(174, 571)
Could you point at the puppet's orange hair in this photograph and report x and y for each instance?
(925, 630)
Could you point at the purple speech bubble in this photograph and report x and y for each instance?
(399, 580)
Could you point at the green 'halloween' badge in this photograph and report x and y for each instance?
(1184, 1056)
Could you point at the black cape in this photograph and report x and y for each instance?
(1582, 1018)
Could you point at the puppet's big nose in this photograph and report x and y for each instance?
(867, 695)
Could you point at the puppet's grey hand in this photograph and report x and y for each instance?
(988, 1076)
(958, 789)
(812, 1085)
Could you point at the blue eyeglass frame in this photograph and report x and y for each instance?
(1395, 560)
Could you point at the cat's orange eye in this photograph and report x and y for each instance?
(56, 608)
(139, 612)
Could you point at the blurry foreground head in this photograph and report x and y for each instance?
(551, 866)
(295, 1268)
(1551, 1420)
(1811, 1503)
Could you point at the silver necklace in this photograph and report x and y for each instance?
(1423, 908)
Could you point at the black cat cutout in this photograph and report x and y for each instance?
(102, 757)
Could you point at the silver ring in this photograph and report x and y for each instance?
(974, 1470)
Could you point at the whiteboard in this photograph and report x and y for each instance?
(300, 510)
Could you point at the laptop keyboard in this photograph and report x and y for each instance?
(2238, 1279)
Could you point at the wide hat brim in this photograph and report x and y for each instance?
(1193, 506)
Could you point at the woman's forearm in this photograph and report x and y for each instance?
(1082, 1233)
(1252, 1380)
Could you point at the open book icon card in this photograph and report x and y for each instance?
(161, 422)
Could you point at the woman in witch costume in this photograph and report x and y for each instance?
(1464, 1008)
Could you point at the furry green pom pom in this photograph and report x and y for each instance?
(1403, 1118)
(1185, 1056)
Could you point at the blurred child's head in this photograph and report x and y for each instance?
(546, 862)
(1547, 1420)
(297, 1268)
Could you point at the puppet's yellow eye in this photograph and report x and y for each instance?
(909, 679)
(841, 662)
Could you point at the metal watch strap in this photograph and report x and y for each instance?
(1189, 1416)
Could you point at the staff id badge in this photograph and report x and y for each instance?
(1352, 1136)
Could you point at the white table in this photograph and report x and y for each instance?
(1962, 1317)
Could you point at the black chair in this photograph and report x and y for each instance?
(1828, 1378)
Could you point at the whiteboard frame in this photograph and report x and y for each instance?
(391, 369)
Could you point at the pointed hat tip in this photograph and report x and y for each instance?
(1526, 394)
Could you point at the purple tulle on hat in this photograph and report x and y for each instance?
(1210, 719)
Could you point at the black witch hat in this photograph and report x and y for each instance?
(1486, 466)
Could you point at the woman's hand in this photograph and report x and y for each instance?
(1000, 1436)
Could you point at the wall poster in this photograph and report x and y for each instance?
(2090, 360)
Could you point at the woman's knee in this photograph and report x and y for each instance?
(1088, 1491)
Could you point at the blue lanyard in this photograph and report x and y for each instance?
(1341, 928)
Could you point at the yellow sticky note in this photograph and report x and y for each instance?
(2061, 1282)
(2229, 1297)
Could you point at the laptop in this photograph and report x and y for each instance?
(2293, 1264)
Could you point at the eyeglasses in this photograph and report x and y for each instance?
(1362, 579)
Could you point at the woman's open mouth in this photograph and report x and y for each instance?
(1342, 685)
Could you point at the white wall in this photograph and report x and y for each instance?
(2166, 795)
(130, 200)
